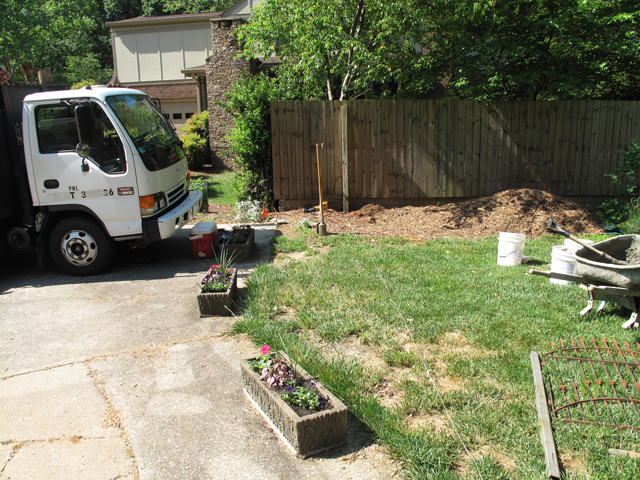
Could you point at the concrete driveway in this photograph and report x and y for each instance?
(117, 377)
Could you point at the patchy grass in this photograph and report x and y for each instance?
(219, 186)
(401, 330)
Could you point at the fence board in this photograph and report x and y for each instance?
(564, 116)
(582, 151)
(278, 178)
(431, 151)
(549, 157)
(375, 146)
(384, 149)
(497, 184)
(446, 148)
(478, 166)
(368, 173)
(459, 150)
(393, 156)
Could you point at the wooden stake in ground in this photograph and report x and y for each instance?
(322, 228)
(544, 420)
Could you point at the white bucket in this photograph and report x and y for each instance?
(575, 245)
(563, 261)
(510, 248)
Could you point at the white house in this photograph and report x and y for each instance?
(150, 54)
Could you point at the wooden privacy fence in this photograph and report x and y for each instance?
(407, 150)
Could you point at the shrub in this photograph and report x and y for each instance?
(618, 210)
(196, 140)
(250, 139)
(201, 185)
(248, 211)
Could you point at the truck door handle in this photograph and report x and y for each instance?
(51, 183)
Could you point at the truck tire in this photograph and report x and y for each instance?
(80, 247)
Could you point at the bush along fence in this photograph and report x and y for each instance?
(407, 151)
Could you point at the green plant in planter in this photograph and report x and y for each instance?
(279, 376)
(239, 234)
(219, 276)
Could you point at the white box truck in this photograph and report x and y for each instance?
(82, 169)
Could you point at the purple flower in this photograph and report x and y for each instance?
(289, 389)
(322, 400)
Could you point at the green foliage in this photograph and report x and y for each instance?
(632, 224)
(81, 71)
(196, 140)
(626, 175)
(200, 184)
(614, 211)
(301, 396)
(538, 49)
(123, 9)
(343, 48)
(619, 210)
(502, 50)
(250, 139)
(47, 32)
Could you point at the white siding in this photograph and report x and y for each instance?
(154, 54)
(197, 46)
(149, 56)
(126, 57)
(171, 54)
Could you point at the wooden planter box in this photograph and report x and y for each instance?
(242, 251)
(216, 304)
(307, 435)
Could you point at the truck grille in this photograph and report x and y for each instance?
(175, 194)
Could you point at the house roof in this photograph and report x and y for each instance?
(164, 19)
(194, 71)
(241, 9)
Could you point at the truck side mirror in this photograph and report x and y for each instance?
(86, 132)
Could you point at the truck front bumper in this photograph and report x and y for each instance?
(172, 221)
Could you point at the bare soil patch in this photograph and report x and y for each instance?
(515, 211)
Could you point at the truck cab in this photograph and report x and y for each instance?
(103, 165)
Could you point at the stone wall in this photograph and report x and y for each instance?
(223, 70)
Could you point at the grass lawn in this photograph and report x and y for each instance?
(219, 187)
(410, 335)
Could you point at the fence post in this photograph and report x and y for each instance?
(345, 157)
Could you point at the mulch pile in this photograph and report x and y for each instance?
(515, 211)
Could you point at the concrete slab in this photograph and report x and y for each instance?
(187, 418)
(147, 297)
(5, 454)
(164, 385)
(61, 402)
(80, 459)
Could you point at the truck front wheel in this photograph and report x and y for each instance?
(80, 247)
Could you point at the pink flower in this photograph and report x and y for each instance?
(265, 350)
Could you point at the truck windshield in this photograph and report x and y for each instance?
(153, 137)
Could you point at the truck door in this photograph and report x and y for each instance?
(107, 187)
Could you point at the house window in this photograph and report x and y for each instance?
(177, 116)
(166, 115)
(187, 116)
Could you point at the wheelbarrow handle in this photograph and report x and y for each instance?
(553, 227)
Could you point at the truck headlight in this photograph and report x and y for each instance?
(151, 204)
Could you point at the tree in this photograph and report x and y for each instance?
(537, 49)
(345, 48)
(45, 33)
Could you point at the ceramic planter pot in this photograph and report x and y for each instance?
(307, 435)
(242, 251)
(216, 304)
